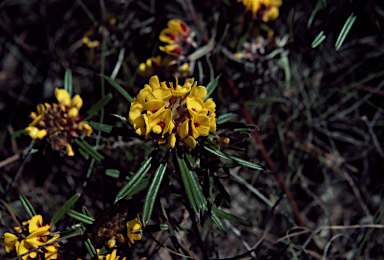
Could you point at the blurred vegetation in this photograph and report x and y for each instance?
(318, 112)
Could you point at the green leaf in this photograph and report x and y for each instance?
(156, 228)
(194, 193)
(90, 248)
(101, 127)
(71, 232)
(89, 149)
(206, 226)
(184, 171)
(318, 40)
(152, 191)
(235, 124)
(19, 133)
(201, 201)
(230, 217)
(317, 8)
(264, 101)
(190, 159)
(224, 118)
(217, 221)
(345, 30)
(68, 81)
(119, 88)
(112, 173)
(84, 154)
(139, 187)
(210, 88)
(85, 211)
(234, 159)
(61, 211)
(80, 217)
(27, 206)
(99, 105)
(135, 180)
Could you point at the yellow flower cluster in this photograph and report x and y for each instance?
(268, 10)
(133, 227)
(178, 35)
(112, 256)
(33, 236)
(166, 66)
(89, 38)
(173, 114)
(61, 122)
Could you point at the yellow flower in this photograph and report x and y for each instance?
(178, 35)
(172, 114)
(133, 227)
(36, 235)
(168, 67)
(91, 34)
(9, 240)
(35, 223)
(112, 256)
(60, 122)
(200, 126)
(22, 248)
(171, 49)
(268, 10)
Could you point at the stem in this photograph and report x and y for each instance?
(270, 163)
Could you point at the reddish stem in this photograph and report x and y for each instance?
(270, 163)
(235, 91)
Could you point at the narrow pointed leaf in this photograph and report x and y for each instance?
(190, 159)
(71, 232)
(210, 88)
(90, 248)
(217, 221)
(224, 118)
(201, 202)
(68, 81)
(345, 30)
(112, 173)
(61, 211)
(320, 5)
(27, 206)
(135, 180)
(318, 40)
(99, 105)
(80, 217)
(140, 186)
(206, 226)
(85, 211)
(156, 228)
(230, 217)
(234, 159)
(101, 127)
(119, 88)
(152, 192)
(19, 133)
(184, 175)
(89, 149)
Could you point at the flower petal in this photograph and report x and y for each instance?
(9, 240)
(190, 142)
(77, 102)
(171, 141)
(35, 223)
(183, 130)
(62, 96)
